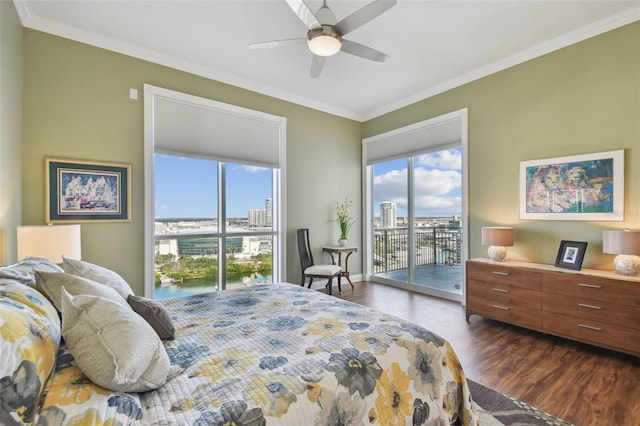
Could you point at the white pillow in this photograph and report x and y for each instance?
(51, 283)
(112, 345)
(98, 274)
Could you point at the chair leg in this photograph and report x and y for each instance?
(330, 284)
(310, 281)
(339, 287)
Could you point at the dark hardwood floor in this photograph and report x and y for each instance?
(582, 384)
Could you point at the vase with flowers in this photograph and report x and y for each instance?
(344, 221)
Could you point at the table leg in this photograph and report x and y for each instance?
(345, 273)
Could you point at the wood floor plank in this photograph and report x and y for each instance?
(582, 384)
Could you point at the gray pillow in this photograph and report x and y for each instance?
(155, 313)
(50, 284)
(98, 274)
(112, 345)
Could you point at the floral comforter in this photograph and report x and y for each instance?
(282, 354)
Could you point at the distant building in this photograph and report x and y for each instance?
(167, 247)
(257, 218)
(269, 213)
(388, 214)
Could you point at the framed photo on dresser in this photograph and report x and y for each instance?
(571, 254)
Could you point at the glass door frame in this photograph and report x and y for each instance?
(367, 201)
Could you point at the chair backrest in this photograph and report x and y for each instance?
(306, 258)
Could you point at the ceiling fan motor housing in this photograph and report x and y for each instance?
(324, 40)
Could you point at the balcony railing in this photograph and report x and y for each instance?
(433, 246)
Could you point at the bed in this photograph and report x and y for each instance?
(267, 354)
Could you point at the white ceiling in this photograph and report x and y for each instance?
(434, 45)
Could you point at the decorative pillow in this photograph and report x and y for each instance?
(29, 339)
(23, 271)
(155, 314)
(50, 284)
(112, 345)
(98, 274)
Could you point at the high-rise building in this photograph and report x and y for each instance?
(388, 214)
(269, 211)
(257, 218)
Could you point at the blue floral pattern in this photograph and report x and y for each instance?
(280, 354)
(294, 356)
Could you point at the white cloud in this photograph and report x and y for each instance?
(161, 206)
(436, 191)
(436, 182)
(450, 159)
(253, 169)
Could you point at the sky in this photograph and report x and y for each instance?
(187, 187)
(438, 184)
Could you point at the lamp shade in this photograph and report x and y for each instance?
(621, 242)
(49, 242)
(497, 236)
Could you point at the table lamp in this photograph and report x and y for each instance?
(626, 244)
(50, 242)
(497, 237)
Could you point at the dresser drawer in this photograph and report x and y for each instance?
(512, 314)
(596, 310)
(504, 275)
(505, 295)
(592, 287)
(594, 332)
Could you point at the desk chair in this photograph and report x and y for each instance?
(311, 270)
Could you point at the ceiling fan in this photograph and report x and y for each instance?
(324, 37)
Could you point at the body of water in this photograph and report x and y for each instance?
(197, 286)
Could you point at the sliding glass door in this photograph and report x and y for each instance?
(415, 209)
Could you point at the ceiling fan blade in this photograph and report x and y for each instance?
(304, 13)
(276, 43)
(317, 63)
(363, 51)
(364, 15)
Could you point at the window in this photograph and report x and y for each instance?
(216, 188)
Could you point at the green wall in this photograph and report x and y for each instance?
(77, 106)
(581, 99)
(11, 45)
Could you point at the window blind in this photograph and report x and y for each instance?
(412, 140)
(204, 128)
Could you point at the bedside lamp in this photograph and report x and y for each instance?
(626, 244)
(49, 242)
(497, 237)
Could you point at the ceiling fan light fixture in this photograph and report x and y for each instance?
(324, 41)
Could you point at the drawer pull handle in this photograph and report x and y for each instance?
(501, 307)
(589, 285)
(583, 305)
(501, 290)
(590, 327)
(500, 273)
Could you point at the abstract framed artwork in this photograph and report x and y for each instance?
(571, 254)
(580, 187)
(87, 191)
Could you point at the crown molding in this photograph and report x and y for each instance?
(599, 27)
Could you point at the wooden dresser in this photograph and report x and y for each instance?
(591, 306)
